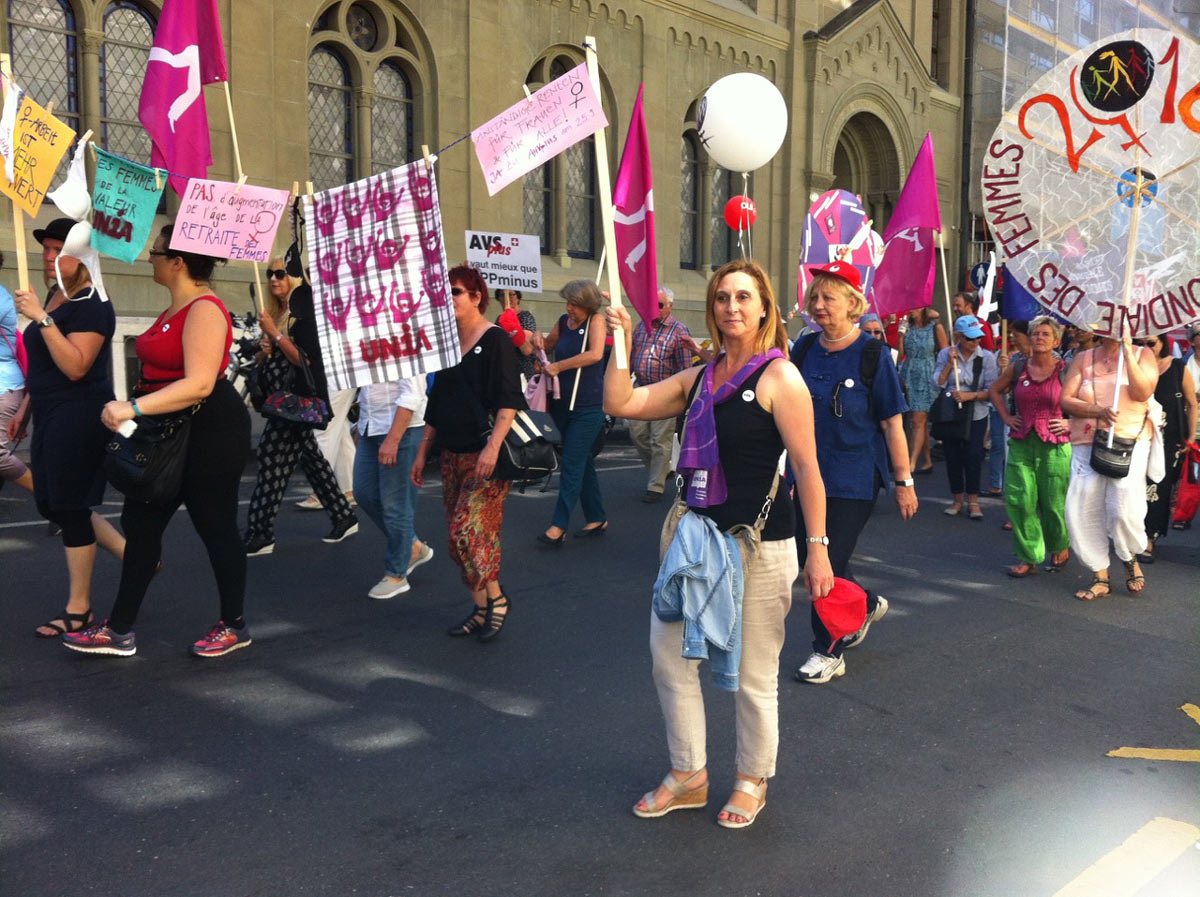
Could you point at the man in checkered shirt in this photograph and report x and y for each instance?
(665, 349)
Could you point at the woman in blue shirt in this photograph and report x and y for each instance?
(858, 409)
(12, 393)
(577, 341)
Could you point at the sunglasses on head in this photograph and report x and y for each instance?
(277, 273)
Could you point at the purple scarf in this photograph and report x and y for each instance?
(699, 459)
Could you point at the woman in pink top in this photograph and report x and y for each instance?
(1039, 456)
(1100, 508)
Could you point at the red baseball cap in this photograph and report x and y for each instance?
(841, 270)
(844, 609)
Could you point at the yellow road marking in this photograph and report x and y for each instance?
(1180, 756)
(1124, 871)
(1193, 711)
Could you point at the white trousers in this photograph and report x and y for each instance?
(768, 597)
(335, 441)
(1100, 508)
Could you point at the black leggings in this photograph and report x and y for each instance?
(218, 449)
(75, 523)
(845, 519)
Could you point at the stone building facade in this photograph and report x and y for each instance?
(330, 90)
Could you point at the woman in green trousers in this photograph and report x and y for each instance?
(1039, 452)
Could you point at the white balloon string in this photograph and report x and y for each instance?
(746, 193)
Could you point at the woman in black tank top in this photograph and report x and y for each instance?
(754, 405)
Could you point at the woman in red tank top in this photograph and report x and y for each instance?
(183, 357)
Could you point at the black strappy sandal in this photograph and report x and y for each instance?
(1091, 593)
(494, 622)
(1134, 579)
(472, 624)
(84, 620)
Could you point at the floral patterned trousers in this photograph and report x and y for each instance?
(474, 515)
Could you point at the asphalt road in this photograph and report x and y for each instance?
(355, 749)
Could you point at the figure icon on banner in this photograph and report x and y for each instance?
(189, 59)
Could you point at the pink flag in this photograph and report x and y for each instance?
(188, 53)
(633, 216)
(904, 279)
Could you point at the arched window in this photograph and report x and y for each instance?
(689, 200)
(128, 34)
(330, 149)
(368, 76)
(43, 42)
(560, 197)
(391, 118)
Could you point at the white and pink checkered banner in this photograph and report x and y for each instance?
(379, 275)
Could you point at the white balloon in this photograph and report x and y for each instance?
(742, 121)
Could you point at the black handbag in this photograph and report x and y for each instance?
(292, 406)
(148, 465)
(528, 451)
(949, 419)
(1112, 462)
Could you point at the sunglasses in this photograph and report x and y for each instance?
(1148, 343)
(153, 252)
(277, 273)
(458, 291)
(878, 334)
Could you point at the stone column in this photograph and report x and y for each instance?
(89, 116)
(364, 101)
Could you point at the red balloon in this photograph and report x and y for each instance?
(740, 209)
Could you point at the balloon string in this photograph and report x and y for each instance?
(745, 215)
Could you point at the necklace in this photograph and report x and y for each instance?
(829, 342)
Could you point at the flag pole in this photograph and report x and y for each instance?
(237, 160)
(946, 282)
(604, 189)
(17, 215)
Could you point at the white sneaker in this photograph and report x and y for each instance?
(820, 668)
(312, 503)
(423, 557)
(388, 588)
(856, 638)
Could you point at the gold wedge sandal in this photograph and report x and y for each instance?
(683, 797)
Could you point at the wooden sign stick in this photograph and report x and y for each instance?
(18, 217)
(237, 159)
(604, 191)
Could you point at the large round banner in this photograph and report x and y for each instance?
(1091, 185)
(837, 229)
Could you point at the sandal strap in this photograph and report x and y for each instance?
(754, 789)
(678, 788)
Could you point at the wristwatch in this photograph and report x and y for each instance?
(46, 322)
(819, 540)
(908, 482)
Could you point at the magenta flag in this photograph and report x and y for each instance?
(188, 53)
(633, 219)
(904, 279)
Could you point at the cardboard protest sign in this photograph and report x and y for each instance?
(39, 142)
(124, 201)
(220, 219)
(506, 261)
(538, 128)
(380, 284)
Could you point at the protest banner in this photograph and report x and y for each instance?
(230, 221)
(506, 261)
(39, 142)
(124, 200)
(538, 128)
(380, 278)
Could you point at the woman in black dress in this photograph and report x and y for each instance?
(1176, 393)
(69, 381)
